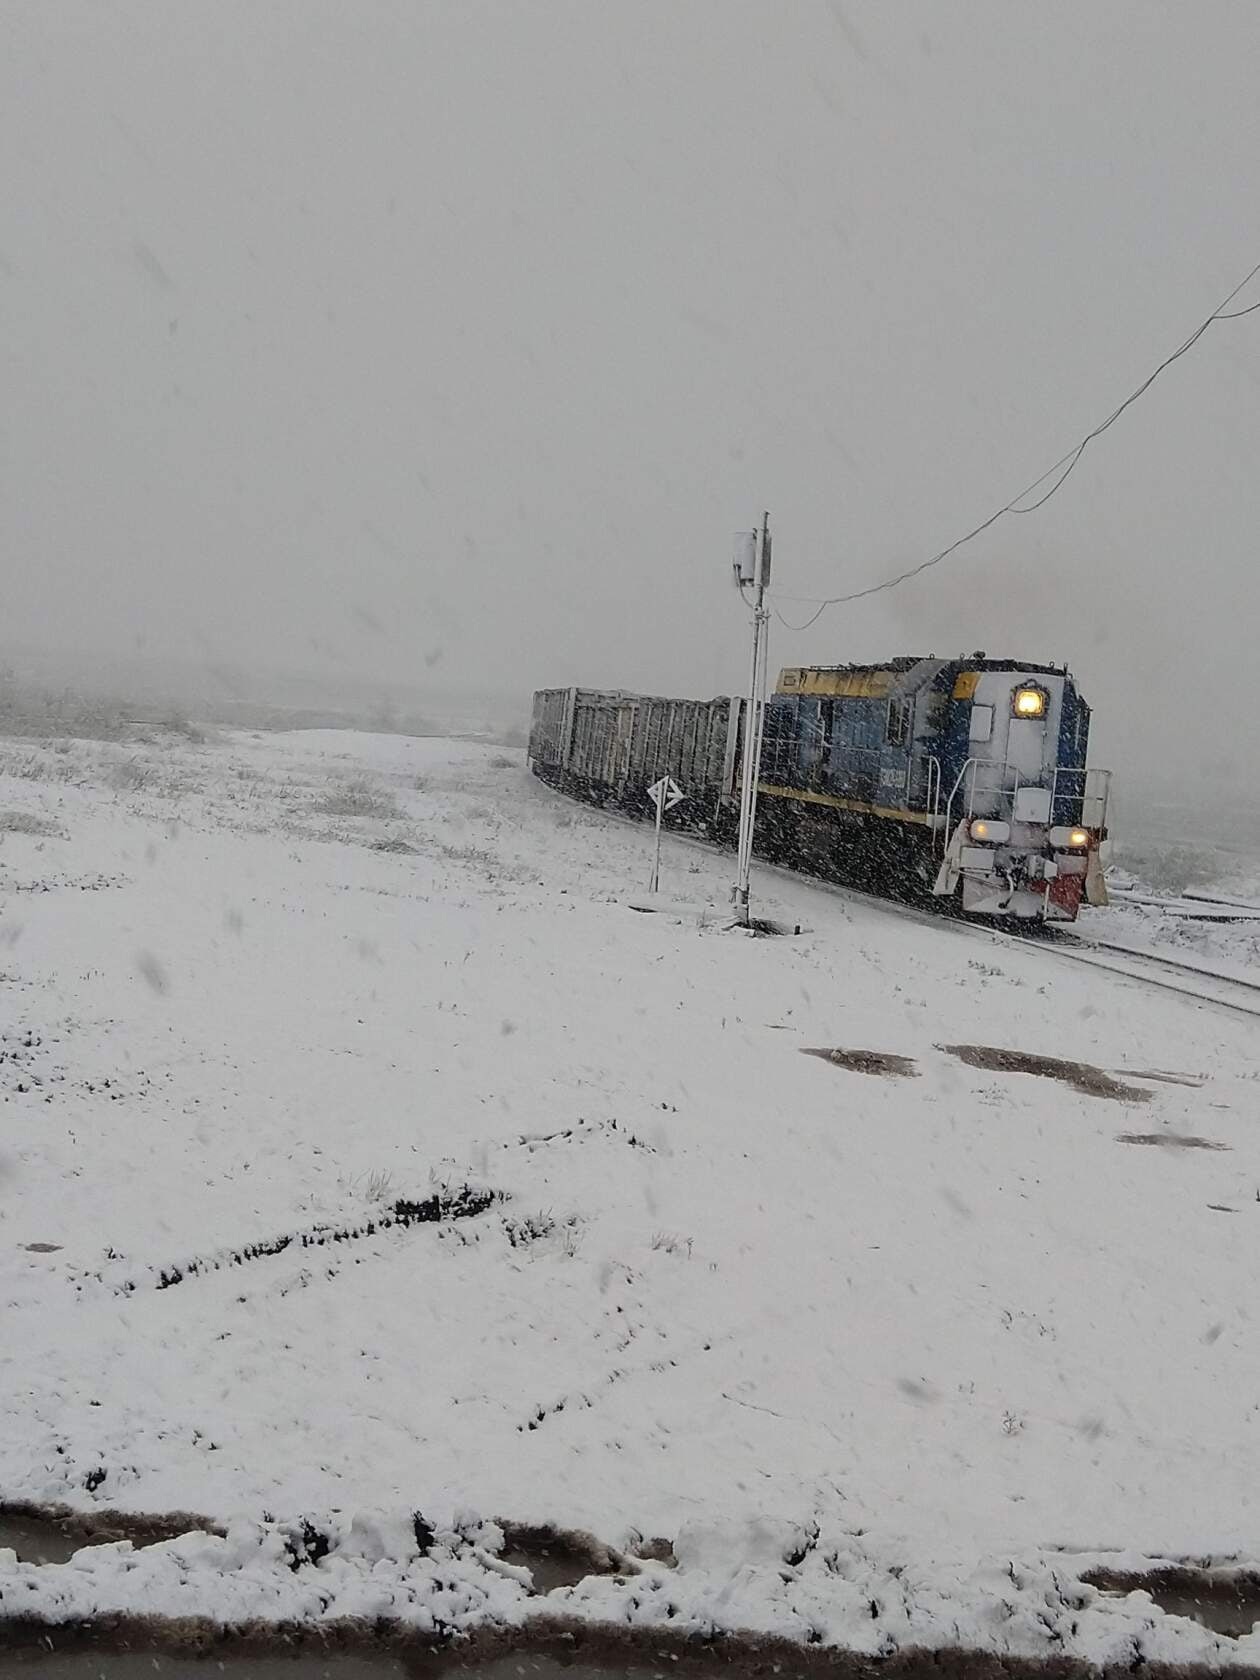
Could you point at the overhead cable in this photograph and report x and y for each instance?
(1063, 467)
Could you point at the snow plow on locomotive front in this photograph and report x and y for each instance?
(963, 781)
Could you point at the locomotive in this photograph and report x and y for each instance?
(962, 780)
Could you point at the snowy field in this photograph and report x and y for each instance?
(1166, 926)
(887, 1357)
(1164, 851)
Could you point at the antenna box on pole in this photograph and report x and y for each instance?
(745, 567)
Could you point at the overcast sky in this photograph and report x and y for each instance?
(451, 340)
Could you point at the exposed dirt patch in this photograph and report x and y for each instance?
(879, 1062)
(137, 1648)
(1225, 1600)
(762, 928)
(558, 1557)
(656, 1548)
(583, 1131)
(29, 823)
(54, 1533)
(558, 1649)
(584, 1399)
(1170, 1140)
(463, 1203)
(88, 883)
(1090, 1081)
(359, 797)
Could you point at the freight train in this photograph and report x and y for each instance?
(960, 780)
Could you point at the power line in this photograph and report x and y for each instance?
(1063, 467)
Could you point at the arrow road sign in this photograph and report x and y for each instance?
(665, 794)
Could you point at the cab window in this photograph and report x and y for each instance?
(982, 723)
(900, 720)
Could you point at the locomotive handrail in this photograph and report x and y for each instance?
(1086, 796)
(968, 764)
(972, 764)
(932, 793)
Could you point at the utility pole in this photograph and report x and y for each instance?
(752, 567)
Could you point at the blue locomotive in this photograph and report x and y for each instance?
(961, 779)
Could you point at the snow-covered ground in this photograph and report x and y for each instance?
(1224, 939)
(1214, 852)
(887, 1359)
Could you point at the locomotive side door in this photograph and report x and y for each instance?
(813, 721)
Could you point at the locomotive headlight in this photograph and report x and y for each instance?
(1069, 839)
(989, 832)
(1029, 702)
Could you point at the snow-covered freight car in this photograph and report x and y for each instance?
(609, 747)
(963, 779)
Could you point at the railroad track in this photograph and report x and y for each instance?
(1198, 985)
(1191, 906)
(1205, 985)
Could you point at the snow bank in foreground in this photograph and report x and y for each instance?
(818, 1586)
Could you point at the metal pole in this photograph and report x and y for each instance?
(753, 721)
(656, 862)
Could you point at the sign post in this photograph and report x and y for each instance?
(664, 794)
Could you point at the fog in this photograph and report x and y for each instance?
(446, 344)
